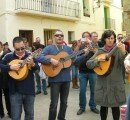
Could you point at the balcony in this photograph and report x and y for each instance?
(107, 1)
(59, 9)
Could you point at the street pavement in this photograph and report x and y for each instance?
(42, 107)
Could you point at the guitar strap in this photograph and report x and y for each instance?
(59, 48)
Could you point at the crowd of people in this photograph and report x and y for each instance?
(107, 90)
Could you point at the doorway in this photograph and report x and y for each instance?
(48, 34)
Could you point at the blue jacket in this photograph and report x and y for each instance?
(25, 86)
(64, 75)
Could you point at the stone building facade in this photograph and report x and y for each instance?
(126, 16)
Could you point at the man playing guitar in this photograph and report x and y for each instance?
(22, 93)
(59, 84)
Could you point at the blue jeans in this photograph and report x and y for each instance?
(83, 80)
(38, 82)
(74, 71)
(128, 109)
(42, 85)
(20, 100)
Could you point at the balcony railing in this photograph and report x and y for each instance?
(107, 1)
(60, 7)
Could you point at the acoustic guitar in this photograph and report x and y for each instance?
(64, 62)
(106, 66)
(22, 73)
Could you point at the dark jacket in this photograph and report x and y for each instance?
(3, 74)
(37, 46)
(3, 69)
(25, 86)
(81, 62)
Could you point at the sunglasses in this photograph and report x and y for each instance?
(57, 35)
(18, 49)
(120, 37)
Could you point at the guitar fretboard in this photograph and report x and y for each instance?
(115, 48)
(72, 55)
(33, 55)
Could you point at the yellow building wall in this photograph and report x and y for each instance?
(12, 23)
(126, 10)
(38, 24)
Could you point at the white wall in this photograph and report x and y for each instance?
(3, 32)
(116, 13)
(2, 21)
(2, 6)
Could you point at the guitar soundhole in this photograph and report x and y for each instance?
(100, 68)
(17, 72)
(62, 59)
(107, 58)
(53, 67)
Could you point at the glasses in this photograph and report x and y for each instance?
(120, 37)
(18, 49)
(57, 35)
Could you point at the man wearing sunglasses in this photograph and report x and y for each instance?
(119, 37)
(59, 85)
(22, 93)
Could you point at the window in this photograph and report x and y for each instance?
(107, 17)
(70, 36)
(122, 3)
(48, 35)
(86, 10)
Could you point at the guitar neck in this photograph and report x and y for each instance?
(73, 55)
(35, 54)
(111, 52)
(23, 62)
(115, 48)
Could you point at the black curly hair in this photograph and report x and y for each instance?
(106, 34)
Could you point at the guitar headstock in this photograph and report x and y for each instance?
(36, 53)
(126, 39)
